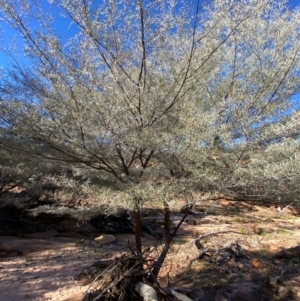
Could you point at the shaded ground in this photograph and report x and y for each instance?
(254, 257)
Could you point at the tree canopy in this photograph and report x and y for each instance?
(150, 89)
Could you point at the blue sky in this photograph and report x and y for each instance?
(293, 3)
(63, 28)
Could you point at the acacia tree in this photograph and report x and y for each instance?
(148, 88)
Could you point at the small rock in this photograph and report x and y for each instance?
(256, 263)
(105, 239)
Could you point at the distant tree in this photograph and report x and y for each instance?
(148, 88)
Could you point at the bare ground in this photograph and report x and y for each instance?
(254, 256)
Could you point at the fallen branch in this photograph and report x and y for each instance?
(211, 234)
(108, 269)
(198, 245)
(116, 279)
(174, 293)
(146, 291)
(281, 210)
(114, 283)
(149, 294)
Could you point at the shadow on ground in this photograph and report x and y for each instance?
(235, 274)
(224, 271)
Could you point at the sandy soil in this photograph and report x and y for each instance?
(43, 265)
(43, 269)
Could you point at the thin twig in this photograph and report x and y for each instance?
(115, 282)
(105, 271)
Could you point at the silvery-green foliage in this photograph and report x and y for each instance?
(146, 90)
(22, 170)
(13, 170)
